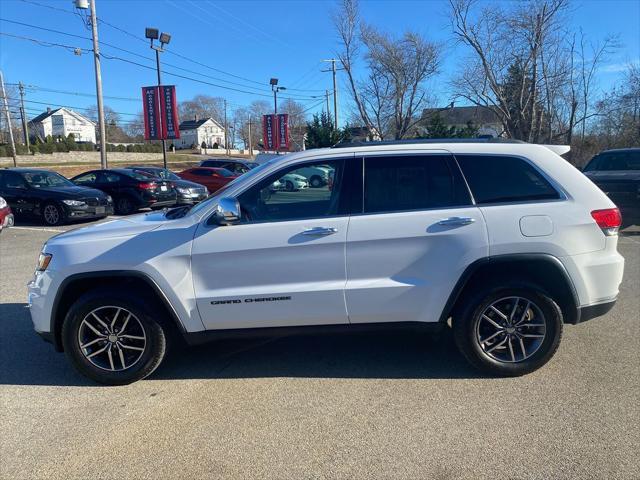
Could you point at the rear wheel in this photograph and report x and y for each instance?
(124, 206)
(508, 331)
(288, 186)
(113, 338)
(316, 181)
(53, 214)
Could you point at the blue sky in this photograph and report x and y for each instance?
(251, 40)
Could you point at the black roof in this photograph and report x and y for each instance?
(630, 149)
(191, 124)
(28, 169)
(43, 115)
(419, 141)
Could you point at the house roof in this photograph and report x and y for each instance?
(47, 114)
(461, 115)
(193, 124)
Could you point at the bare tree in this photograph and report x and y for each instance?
(391, 99)
(202, 106)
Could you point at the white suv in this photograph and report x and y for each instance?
(503, 241)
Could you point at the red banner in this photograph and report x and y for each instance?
(283, 131)
(151, 107)
(269, 132)
(169, 112)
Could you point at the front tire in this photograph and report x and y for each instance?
(53, 215)
(112, 338)
(508, 331)
(124, 206)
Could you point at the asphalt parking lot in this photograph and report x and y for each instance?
(351, 406)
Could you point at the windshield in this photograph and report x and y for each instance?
(139, 175)
(46, 180)
(246, 177)
(224, 172)
(160, 173)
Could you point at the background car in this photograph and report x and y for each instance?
(212, 178)
(6, 217)
(51, 197)
(617, 173)
(317, 176)
(188, 192)
(130, 190)
(237, 167)
(292, 182)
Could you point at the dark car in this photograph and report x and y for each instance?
(130, 190)
(237, 167)
(51, 197)
(188, 192)
(617, 173)
(212, 178)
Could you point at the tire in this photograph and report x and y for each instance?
(316, 181)
(53, 214)
(288, 186)
(124, 206)
(131, 358)
(475, 323)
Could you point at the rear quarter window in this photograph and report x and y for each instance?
(504, 179)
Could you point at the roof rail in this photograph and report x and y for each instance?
(360, 143)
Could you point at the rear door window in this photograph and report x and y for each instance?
(504, 179)
(413, 182)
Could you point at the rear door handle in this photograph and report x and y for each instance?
(320, 231)
(456, 221)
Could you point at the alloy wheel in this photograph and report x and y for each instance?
(51, 214)
(511, 329)
(112, 338)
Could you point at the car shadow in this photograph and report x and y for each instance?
(28, 360)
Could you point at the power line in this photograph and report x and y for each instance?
(44, 43)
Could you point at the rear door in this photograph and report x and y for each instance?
(416, 232)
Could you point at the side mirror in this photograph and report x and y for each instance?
(227, 212)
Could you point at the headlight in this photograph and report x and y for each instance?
(3, 202)
(184, 191)
(43, 262)
(74, 203)
(109, 199)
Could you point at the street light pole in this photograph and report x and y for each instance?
(164, 142)
(96, 61)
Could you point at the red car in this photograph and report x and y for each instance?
(6, 217)
(212, 178)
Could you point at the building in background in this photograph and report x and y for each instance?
(196, 132)
(483, 118)
(62, 122)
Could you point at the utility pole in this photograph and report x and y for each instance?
(96, 60)
(335, 89)
(23, 116)
(226, 130)
(250, 141)
(326, 94)
(6, 111)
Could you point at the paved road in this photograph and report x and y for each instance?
(364, 406)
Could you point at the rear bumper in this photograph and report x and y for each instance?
(589, 312)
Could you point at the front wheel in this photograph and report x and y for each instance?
(112, 338)
(508, 331)
(53, 214)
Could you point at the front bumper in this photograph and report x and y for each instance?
(190, 199)
(89, 212)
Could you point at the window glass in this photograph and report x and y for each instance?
(43, 179)
(11, 180)
(615, 161)
(496, 179)
(397, 183)
(86, 178)
(288, 195)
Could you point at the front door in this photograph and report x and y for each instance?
(415, 234)
(283, 264)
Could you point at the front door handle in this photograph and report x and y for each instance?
(456, 221)
(320, 231)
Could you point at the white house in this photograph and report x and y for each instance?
(63, 121)
(194, 132)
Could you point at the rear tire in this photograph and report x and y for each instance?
(507, 331)
(112, 338)
(124, 206)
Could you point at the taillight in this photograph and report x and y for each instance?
(147, 185)
(609, 220)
